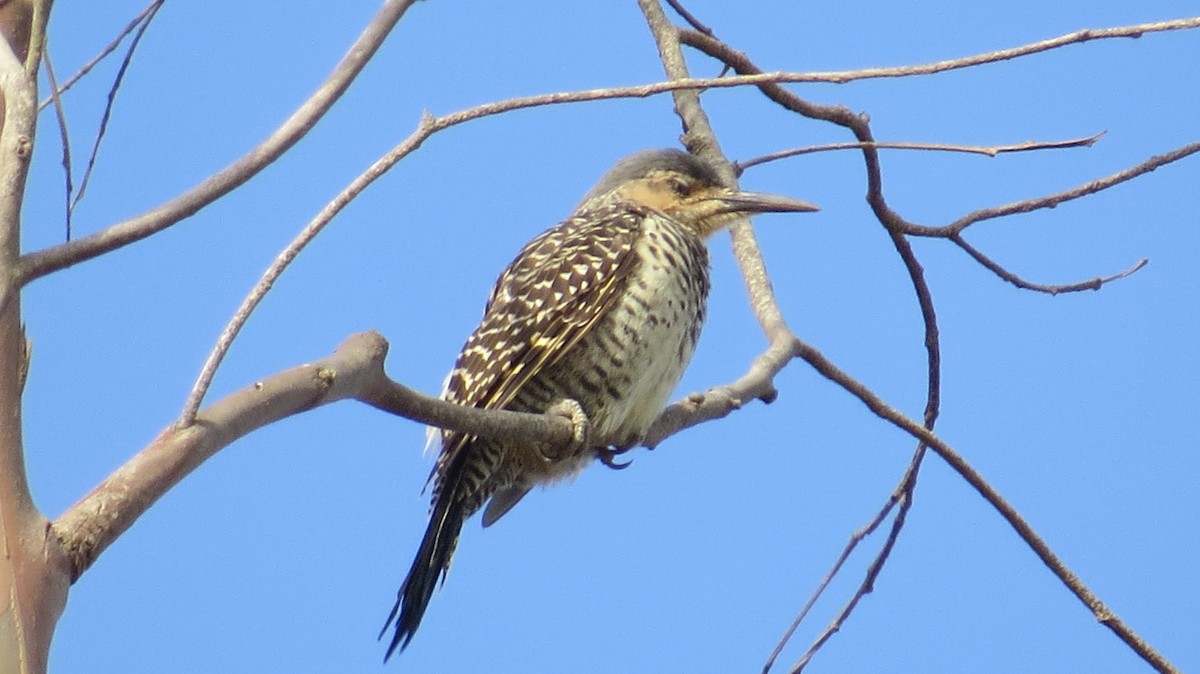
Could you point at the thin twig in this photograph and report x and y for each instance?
(990, 151)
(1052, 200)
(903, 495)
(896, 224)
(855, 538)
(960, 465)
(428, 126)
(108, 108)
(858, 125)
(690, 18)
(1090, 284)
(1078, 37)
(60, 113)
(110, 48)
(891, 220)
(40, 263)
(256, 295)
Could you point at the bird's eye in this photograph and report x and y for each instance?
(680, 186)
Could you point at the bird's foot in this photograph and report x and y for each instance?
(580, 432)
(608, 456)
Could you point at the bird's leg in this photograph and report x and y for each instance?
(581, 431)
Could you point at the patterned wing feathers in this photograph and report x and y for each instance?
(548, 299)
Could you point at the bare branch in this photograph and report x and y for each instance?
(427, 127)
(1053, 200)
(107, 115)
(1078, 37)
(60, 114)
(37, 264)
(904, 496)
(552, 429)
(897, 227)
(699, 138)
(354, 371)
(1091, 284)
(953, 231)
(17, 124)
(89, 526)
(898, 494)
(710, 45)
(990, 151)
(758, 382)
(960, 465)
(891, 219)
(112, 46)
(687, 16)
(34, 590)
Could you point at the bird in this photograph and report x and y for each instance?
(595, 319)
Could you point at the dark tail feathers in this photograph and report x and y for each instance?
(430, 565)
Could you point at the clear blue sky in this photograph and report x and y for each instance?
(283, 554)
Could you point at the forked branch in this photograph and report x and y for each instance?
(37, 264)
(355, 371)
(898, 228)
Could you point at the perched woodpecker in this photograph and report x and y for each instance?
(597, 317)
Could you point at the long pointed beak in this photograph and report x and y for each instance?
(758, 202)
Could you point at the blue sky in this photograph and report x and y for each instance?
(284, 552)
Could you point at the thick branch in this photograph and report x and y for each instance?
(92, 524)
(17, 92)
(33, 590)
(38, 264)
(354, 371)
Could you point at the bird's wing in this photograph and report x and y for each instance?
(547, 300)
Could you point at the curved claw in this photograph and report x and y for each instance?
(608, 457)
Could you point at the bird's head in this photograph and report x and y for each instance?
(685, 189)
